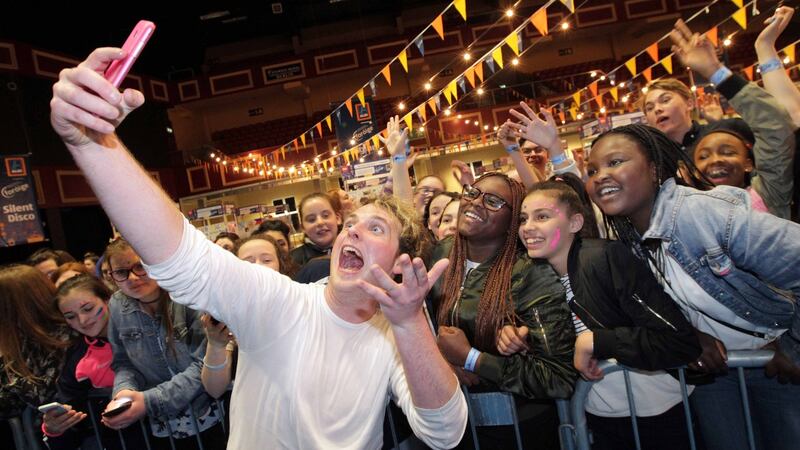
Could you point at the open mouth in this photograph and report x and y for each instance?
(608, 191)
(662, 119)
(718, 173)
(350, 259)
(532, 242)
(473, 217)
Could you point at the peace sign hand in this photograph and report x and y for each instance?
(694, 50)
(402, 302)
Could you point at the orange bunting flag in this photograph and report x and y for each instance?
(349, 104)
(407, 120)
(387, 73)
(569, 4)
(376, 141)
(283, 152)
(577, 97)
(497, 54)
(667, 63)
(653, 51)
(328, 121)
(748, 71)
(479, 71)
(319, 128)
(614, 93)
(740, 17)
(573, 112)
(739, 3)
(789, 50)
(562, 116)
(438, 26)
(346, 157)
(325, 164)
(593, 89)
(470, 74)
(432, 104)
(296, 147)
(648, 74)
(631, 65)
(713, 36)
(422, 113)
(403, 57)
(461, 7)
(599, 100)
(303, 139)
(539, 20)
(360, 95)
(512, 40)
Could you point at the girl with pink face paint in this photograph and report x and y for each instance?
(619, 311)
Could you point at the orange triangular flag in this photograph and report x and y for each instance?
(346, 157)
(562, 116)
(432, 104)
(328, 121)
(539, 20)
(653, 51)
(748, 71)
(497, 55)
(631, 65)
(569, 4)
(283, 153)
(438, 26)
(713, 36)
(479, 71)
(789, 50)
(593, 89)
(407, 119)
(577, 98)
(303, 139)
(512, 40)
(599, 100)
(740, 17)
(360, 95)
(470, 74)
(667, 63)
(648, 74)
(461, 7)
(385, 133)
(423, 113)
(614, 93)
(403, 57)
(349, 104)
(387, 73)
(319, 128)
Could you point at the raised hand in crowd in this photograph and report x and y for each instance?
(710, 108)
(695, 50)
(776, 80)
(543, 133)
(396, 144)
(509, 137)
(512, 340)
(216, 373)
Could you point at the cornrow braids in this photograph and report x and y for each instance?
(670, 160)
(495, 306)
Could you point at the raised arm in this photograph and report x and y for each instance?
(527, 175)
(85, 111)
(776, 80)
(543, 133)
(396, 144)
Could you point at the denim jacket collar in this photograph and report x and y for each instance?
(662, 219)
(130, 305)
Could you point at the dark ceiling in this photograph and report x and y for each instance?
(181, 36)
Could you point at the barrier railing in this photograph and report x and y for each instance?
(737, 359)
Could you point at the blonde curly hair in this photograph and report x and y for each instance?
(415, 240)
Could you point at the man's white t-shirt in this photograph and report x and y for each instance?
(305, 378)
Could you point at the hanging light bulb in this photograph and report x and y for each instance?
(565, 26)
(467, 56)
(447, 112)
(401, 106)
(480, 91)
(510, 12)
(515, 62)
(428, 86)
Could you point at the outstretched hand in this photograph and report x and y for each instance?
(85, 106)
(401, 303)
(694, 50)
(774, 27)
(397, 139)
(543, 133)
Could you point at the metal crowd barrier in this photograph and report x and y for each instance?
(737, 359)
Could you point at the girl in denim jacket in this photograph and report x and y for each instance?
(733, 271)
(158, 349)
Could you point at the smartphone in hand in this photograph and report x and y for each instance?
(133, 46)
(55, 406)
(117, 407)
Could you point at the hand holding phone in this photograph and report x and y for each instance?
(133, 46)
(117, 407)
(56, 407)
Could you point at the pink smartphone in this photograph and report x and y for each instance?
(118, 69)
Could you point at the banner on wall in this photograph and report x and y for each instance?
(19, 221)
(357, 128)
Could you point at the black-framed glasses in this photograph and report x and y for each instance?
(121, 275)
(491, 202)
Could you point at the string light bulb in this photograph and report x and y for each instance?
(447, 112)
(645, 89)
(458, 116)
(225, 163)
(212, 154)
(480, 91)
(218, 159)
(565, 26)
(727, 42)
(515, 62)
(428, 86)
(401, 106)
(467, 56)
(510, 12)
(593, 74)
(602, 78)
(603, 110)
(786, 60)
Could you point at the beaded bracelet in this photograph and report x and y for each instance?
(217, 366)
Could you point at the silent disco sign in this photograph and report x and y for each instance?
(19, 215)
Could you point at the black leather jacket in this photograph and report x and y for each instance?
(546, 372)
(630, 315)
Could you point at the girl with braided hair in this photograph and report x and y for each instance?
(490, 283)
(732, 270)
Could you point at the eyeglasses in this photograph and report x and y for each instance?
(491, 202)
(425, 190)
(121, 275)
